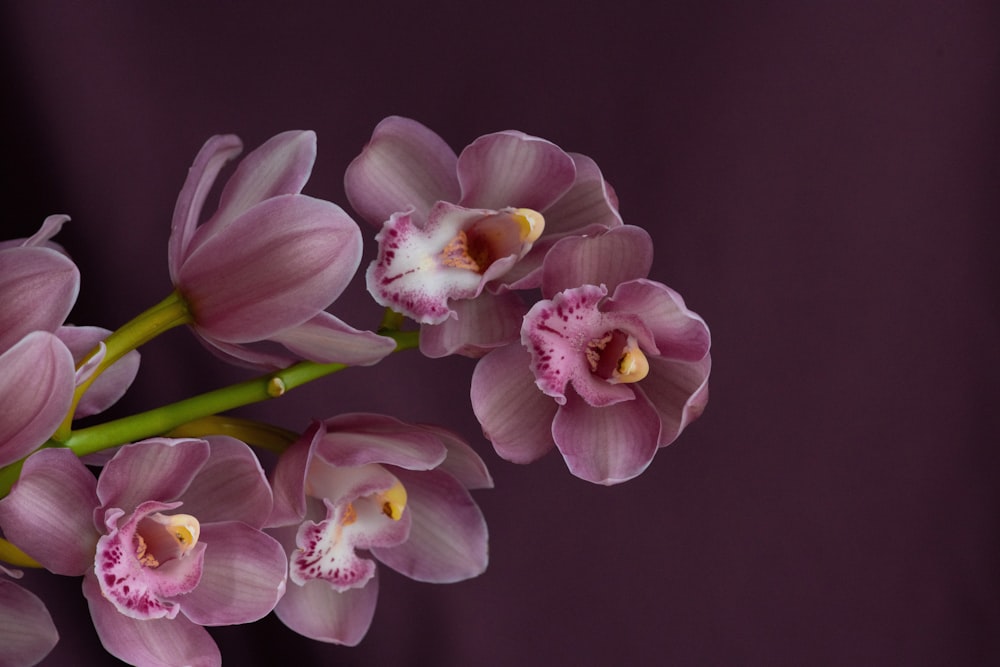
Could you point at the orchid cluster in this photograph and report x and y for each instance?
(512, 252)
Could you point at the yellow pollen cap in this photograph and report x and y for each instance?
(632, 367)
(532, 224)
(184, 528)
(394, 501)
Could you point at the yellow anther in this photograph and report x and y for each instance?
(532, 224)
(632, 366)
(394, 501)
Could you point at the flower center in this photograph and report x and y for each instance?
(489, 238)
(160, 538)
(327, 549)
(616, 358)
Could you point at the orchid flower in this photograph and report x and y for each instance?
(27, 633)
(370, 482)
(269, 261)
(458, 230)
(607, 370)
(167, 540)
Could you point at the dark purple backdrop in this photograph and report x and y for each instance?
(821, 181)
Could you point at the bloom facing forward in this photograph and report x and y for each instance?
(370, 482)
(167, 539)
(456, 229)
(270, 260)
(606, 377)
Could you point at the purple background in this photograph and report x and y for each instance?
(821, 182)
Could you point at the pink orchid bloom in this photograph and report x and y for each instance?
(167, 539)
(607, 380)
(370, 482)
(269, 261)
(27, 633)
(38, 287)
(458, 230)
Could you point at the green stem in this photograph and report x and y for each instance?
(169, 417)
(171, 312)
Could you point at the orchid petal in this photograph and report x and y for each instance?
(112, 383)
(513, 169)
(274, 267)
(411, 275)
(289, 479)
(327, 339)
(620, 255)
(230, 486)
(678, 391)
(404, 166)
(357, 439)
(317, 611)
(279, 166)
(589, 202)
(679, 333)
(462, 463)
(515, 416)
(43, 237)
(216, 152)
(482, 324)
(49, 511)
(448, 537)
(610, 444)
(153, 642)
(27, 633)
(38, 287)
(155, 469)
(35, 395)
(242, 579)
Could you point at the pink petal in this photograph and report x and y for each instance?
(607, 445)
(405, 165)
(243, 576)
(43, 237)
(463, 463)
(274, 267)
(448, 537)
(38, 287)
(317, 611)
(49, 512)
(112, 383)
(515, 416)
(279, 166)
(289, 479)
(35, 394)
(410, 274)
(608, 259)
(513, 169)
(27, 633)
(356, 439)
(679, 332)
(679, 392)
(327, 339)
(216, 152)
(482, 324)
(231, 486)
(151, 643)
(589, 202)
(155, 469)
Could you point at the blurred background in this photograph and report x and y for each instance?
(821, 183)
